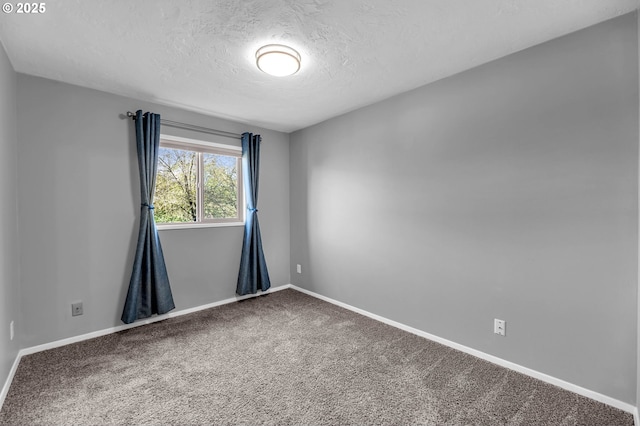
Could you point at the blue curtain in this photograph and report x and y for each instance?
(253, 274)
(149, 291)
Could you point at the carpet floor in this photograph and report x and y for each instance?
(284, 358)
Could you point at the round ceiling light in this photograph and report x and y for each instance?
(278, 60)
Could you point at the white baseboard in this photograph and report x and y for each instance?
(145, 321)
(87, 336)
(493, 359)
(7, 383)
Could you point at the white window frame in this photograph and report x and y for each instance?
(176, 142)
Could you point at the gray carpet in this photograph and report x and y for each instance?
(283, 358)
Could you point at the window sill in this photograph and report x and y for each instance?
(161, 227)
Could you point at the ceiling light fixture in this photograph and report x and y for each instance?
(278, 60)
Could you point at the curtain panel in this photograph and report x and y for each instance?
(149, 290)
(253, 275)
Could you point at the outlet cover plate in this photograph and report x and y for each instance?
(76, 309)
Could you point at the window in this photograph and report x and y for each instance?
(198, 183)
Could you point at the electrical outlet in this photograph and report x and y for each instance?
(11, 334)
(299, 269)
(76, 309)
(500, 327)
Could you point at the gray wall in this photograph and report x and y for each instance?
(508, 191)
(638, 331)
(79, 204)
(9, 261)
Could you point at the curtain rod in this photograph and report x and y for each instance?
(185, 126)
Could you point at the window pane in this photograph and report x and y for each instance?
(220, 186)
(175, 196)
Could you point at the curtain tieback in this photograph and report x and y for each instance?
(252, 210)
(149, 206)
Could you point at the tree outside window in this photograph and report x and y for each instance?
(197, 183)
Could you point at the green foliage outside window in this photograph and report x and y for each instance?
(176, 196)
(220, 186)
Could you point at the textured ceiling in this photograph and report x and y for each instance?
(199, 55)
